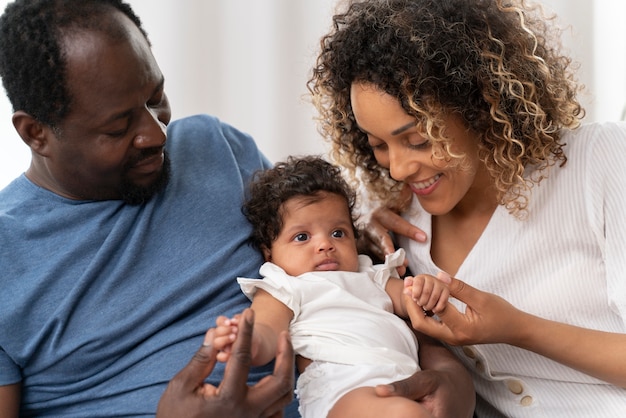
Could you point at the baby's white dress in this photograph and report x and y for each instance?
(344, 322)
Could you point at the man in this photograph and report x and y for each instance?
(121, 243)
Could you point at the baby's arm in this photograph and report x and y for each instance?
(271, 317)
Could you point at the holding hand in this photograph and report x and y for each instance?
(188, 396)
(443, 386)
(224, 336)
(427, 292)
(481, 323)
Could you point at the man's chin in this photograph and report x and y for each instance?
(134, 194)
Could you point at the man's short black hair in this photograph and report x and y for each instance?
(32, 62)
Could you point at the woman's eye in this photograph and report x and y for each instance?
(418, 142)
(301, 237)
(376, 145)
(421, 146)
(338, 234)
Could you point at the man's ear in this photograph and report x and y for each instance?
(33, 133)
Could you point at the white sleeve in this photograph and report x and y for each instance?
(275, 282)
(382, 272)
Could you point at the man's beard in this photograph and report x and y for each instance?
(136, 195)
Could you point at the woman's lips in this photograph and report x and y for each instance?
(425, 187)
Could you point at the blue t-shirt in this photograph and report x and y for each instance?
(102, 303)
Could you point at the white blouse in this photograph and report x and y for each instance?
(565, 262)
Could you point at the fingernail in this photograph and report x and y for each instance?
(208, 339)
(420, 236)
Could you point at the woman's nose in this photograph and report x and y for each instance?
(401, 165)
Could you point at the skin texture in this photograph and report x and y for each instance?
(10, 401)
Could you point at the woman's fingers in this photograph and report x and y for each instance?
(391, 221)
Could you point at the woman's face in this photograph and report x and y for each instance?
(398, 145)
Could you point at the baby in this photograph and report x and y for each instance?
(343, 313)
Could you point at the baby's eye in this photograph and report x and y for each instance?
(301, 237)
(338, 234)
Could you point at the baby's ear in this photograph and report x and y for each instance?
(267, 253)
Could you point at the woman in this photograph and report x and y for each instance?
(462, 116)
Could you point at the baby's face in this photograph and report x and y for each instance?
(316, 236)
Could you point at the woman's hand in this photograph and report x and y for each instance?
(380, 223)
(188, 396)
(488, 318)
(376, 239)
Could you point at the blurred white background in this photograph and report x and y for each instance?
(247, 62)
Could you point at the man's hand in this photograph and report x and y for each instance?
(188, 396)
(443, 386)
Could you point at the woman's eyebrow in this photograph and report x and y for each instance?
(402, 128)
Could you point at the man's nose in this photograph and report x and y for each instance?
(152, 132)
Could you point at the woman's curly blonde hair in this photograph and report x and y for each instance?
(495, 63)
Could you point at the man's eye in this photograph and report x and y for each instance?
(117, 134)
(156, 101)
(338, 234)
(301, 237)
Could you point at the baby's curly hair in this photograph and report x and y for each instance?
(32, 60)
(495, 63)
(308, 176)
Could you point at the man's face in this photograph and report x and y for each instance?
(111, 145)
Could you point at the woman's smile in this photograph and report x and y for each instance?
(425, 187)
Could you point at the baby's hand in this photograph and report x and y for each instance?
(225, 335)
(427, 291)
